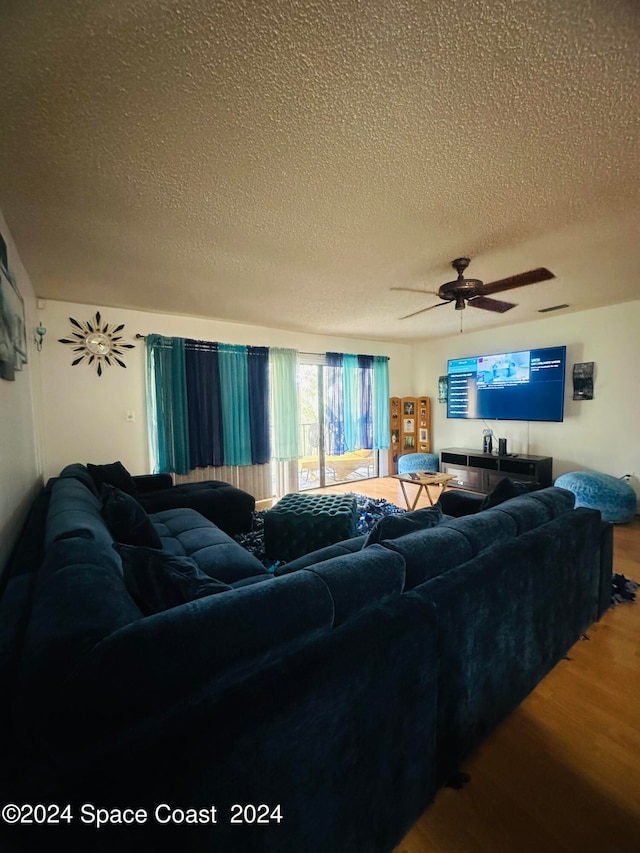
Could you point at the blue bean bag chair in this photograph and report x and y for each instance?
(615, 498)
(425, 462)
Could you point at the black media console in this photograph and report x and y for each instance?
(479, 472)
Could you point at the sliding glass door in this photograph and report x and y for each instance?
(323, 462)
(310, 423)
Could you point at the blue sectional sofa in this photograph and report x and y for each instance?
(230, 509)
(315, 711)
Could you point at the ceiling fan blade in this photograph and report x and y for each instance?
(531, 277)
(414, 290)
(490, 304)
(422, 310)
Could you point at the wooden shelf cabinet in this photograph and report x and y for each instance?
(480, 472)
(410, 426)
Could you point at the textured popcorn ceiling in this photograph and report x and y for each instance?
(287, 163)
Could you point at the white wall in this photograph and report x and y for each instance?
(85, 415)
(20, 466)
(600, 434)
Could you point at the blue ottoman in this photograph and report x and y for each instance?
(615, 498)
(299, 524)
(418, 462)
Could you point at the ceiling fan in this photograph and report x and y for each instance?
(471, 291)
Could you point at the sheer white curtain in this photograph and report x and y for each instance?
(283, 368)
(283, 380)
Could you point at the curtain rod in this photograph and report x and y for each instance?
(140, 337)
(309, 354)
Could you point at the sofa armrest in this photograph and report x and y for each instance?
(351, 710)
(153, 482)
(194, 642)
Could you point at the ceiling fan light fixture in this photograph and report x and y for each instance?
(460, 303)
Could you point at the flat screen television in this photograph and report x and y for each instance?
(509, 386)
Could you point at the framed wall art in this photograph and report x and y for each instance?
(13, 328)
(443, 388)
(583, 381)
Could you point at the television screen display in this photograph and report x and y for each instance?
(511, 386)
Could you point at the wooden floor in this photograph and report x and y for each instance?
(562, 773)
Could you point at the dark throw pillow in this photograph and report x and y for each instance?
(504, 490)
(114, 474)
(126, 519)
(157, 581)
(393, 526)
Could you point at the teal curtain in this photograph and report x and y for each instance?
(167, 404)
(380, 402)
(283, 364)
(234, 392)
(351, 401)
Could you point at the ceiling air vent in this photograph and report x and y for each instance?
(553, 308)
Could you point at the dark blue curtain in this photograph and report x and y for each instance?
(206, 442)
(258, 375)
(334, 405)
(365, 400)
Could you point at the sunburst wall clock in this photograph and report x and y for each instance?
(99, 343)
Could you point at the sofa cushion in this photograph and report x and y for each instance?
(126, 519)
(338, 549)
(430, 552)
(484, 529)
(393, 526)
(114, 474)
(532, 510)
(556, 500)
(158, 581)
(360, 580)
(186, 533)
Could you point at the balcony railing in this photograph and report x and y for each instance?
(354, 465)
